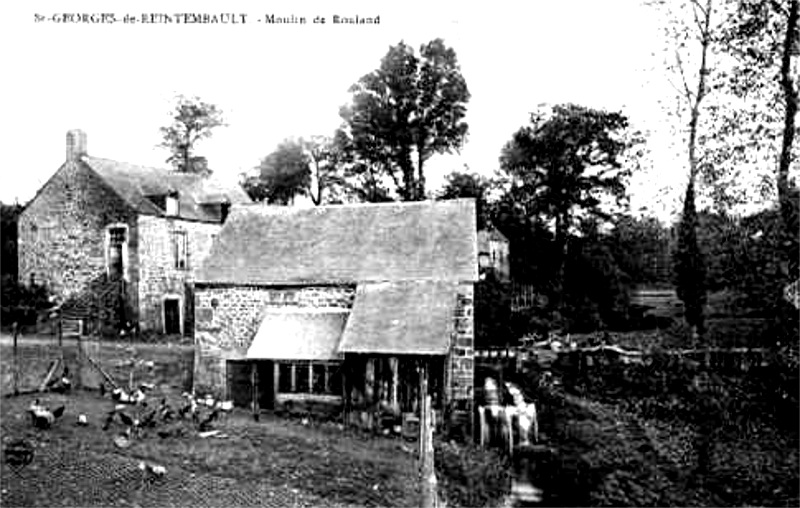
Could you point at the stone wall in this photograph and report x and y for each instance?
(158, 274)
(61, 233)
(461, 362)
(227, 318)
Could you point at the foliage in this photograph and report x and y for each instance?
(467, 184)
(327, 183)
(401, 114)
(21, 303)
(8, 237)
(471, 476)
(641, 247)
(689, 266)
(562, 167)
(283, 174)
(492, 314)
(595, 287)
(192, 121)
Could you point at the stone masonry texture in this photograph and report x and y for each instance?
(62, 232)
(158, 274)
(227, 318)
(62, 241)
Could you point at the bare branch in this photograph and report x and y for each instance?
(686, 91)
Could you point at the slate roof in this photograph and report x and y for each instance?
(135, 183)
(409, 317)
(274, 245)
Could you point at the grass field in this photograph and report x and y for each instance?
(272, 462)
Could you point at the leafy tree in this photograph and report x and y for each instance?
(192, 121)
(764, 39)
(404, 112)
(562, 167)
(283, 174)
(326, 180)
(469, 185)
(8, 236)
(688, 259)
(641, 247)
(689, 266)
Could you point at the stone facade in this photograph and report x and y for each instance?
(62, 233)
(160, 276)
(227, 318)
(461, 363)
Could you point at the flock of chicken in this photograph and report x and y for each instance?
(138, 414)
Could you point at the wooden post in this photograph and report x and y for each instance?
(15, 327)
(345, 394)
(79, 361)
(428, 476)
(276, 377)
(423, 410)
(254, 389)
(393, 364)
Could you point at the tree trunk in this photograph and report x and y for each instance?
(690, 267)
(790, 93)
(556, 296)
(420, 175)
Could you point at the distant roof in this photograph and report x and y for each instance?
(401, 318)
(272, 245)
(135, 183)
(489, 235)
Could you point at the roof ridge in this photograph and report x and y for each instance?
(384, 204)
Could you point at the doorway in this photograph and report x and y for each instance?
(240, 383)
(172, 316)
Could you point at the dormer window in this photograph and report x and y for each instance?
(172, 205)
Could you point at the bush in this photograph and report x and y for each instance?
(471, 476)
(21, 303)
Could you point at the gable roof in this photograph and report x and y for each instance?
(135, 183)
(273, 245)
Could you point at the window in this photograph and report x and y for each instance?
(180, 249)
(316, 378)
(117, 237)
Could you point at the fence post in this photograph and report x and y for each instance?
(15, 326)
(428, 471)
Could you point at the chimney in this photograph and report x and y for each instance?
(76, 144)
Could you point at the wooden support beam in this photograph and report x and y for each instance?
(15, 327)
(254, 389)
(276, 377)
(393, 365)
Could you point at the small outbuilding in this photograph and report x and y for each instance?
(341, 307)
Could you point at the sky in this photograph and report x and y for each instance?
(117, 82)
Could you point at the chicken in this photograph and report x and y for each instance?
(205, 424)
(165, 412)
(152, 471)
(42, 417)
(109, 419)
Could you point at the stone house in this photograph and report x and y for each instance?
(118, 243)
(493, 254)
(344, 305)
